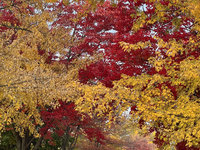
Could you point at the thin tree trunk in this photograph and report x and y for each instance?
(39, 142)
(65, 139)
(73, 144)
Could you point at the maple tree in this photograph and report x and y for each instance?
(61, 129)
(103, 34)
(69, 125)
(154, 46)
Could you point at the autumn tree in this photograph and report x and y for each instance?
(168, 98)
(32, 77)
(102, 31)
(154, 46)
(150, 49)
(68, 124)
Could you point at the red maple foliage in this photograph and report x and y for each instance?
(8, 16)
(107, 26)
(66, 119)
(102, 31)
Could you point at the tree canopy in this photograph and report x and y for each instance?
(160, 72)
(104, 59)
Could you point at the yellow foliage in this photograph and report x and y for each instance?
(180, 115)
(26, 80)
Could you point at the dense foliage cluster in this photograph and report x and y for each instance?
(72, 68)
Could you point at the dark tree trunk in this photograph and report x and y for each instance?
(66, 144)
(65, 139)
(18, 140)
(73, 143)
(38, 144)
(24, 143)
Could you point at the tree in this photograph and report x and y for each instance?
(32, 78)
(161, 80)
(68, 124)
(150, 49)
(96, 29)
(166, 100)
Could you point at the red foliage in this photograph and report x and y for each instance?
(181, 146)
(5, 17)
(66, 116)
(48, 135)
(51, 143)
(104, 29)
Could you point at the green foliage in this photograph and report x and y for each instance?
(7, 140)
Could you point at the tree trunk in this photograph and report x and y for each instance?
(24, 143)
(65, 139)
(73, 143)
(39, 142)
(18, 140)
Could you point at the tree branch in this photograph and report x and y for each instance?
(17, 28)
